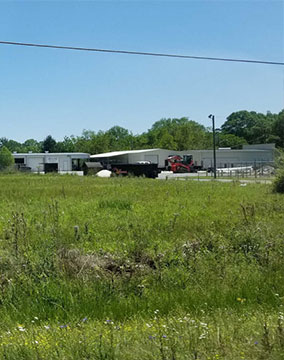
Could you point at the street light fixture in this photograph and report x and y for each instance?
(214, 143)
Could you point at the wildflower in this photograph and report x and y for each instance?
(84, 319)
(63, 326)
(47, 327)
(156, 311)
(241, 300)
(256, 342)
(152, 337)
(164, 336)
(21, 328)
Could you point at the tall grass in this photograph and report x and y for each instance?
(145, 264)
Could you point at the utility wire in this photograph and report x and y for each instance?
(141, 53)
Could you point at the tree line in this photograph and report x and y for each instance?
(241, 127)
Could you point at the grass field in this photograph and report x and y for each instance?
(140, 269)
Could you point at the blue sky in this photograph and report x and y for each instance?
(62, 92)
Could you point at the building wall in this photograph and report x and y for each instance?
(64, 163)
(36, 162)
(231, 158)
(225, 157)
(259, 146)
(155, 156)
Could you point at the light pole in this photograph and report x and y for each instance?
(214, 143)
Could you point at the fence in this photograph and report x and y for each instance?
(247, 170)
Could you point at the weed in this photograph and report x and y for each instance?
(208, 264)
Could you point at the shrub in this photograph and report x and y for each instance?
(6, 158)
(278, 184)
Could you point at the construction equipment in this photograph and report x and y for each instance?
(184, 164)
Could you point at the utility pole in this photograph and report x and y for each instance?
(214, 143)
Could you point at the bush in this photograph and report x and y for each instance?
(278, 184)
(6, 158)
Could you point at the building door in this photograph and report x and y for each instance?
(50, 168)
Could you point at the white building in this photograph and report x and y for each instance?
(65, 163)
(156, 156)
(250, 155)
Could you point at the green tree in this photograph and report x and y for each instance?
(67, 145)
(31, 145)
(184, 134)
(92, 143)
(100, 143)
(83, 143)
(119, 138)
(6, 158)
(11, 145)
(254, 127)
(229, 140)
(49, 144)
(167, 141)
(191, 135)
(278, 130)
(140, 141)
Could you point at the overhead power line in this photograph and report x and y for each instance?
(141, 53)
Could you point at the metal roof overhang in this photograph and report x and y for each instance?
(119, 153)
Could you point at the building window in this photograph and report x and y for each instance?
(19, 161)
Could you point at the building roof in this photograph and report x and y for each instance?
(72, 154)
(234, 150)
(126, 152)
(118, 153)
(270, 146)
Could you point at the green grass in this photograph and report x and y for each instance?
(140, 269)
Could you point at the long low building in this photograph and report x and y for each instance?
(51, 162)
(155, 156)
(249, 155)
